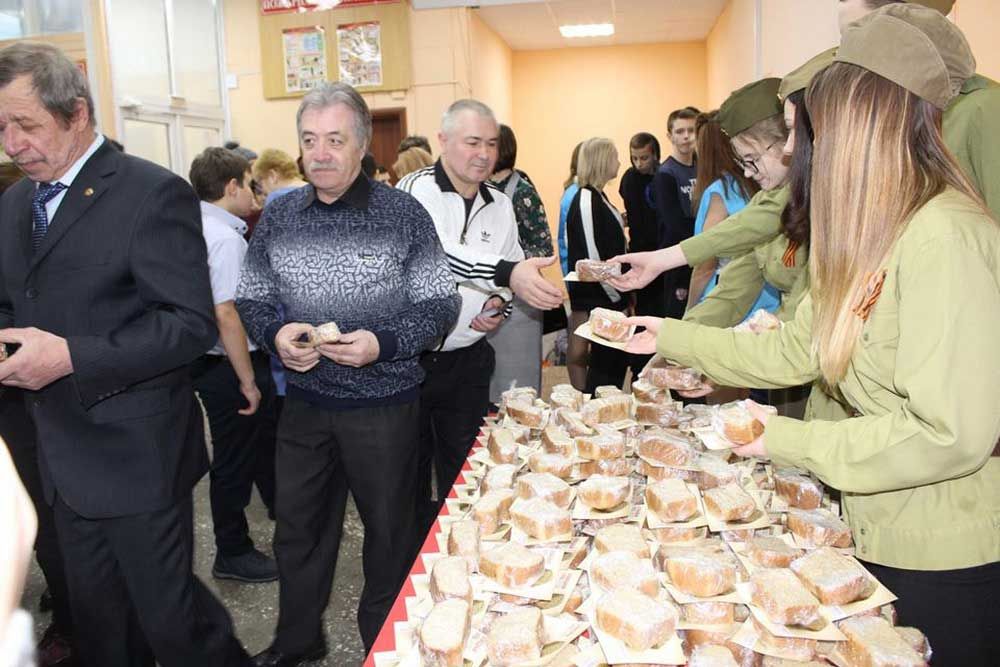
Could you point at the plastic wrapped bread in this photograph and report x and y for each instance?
(714, 472)
(833, 578)
(610, 467)
(324, 333)
(645, 392)
(463, 540)
(702, 573)
(693, 638)
(760, 322)
(621, 537)
(794, 648)
(819, 527)
(670, 534)
(602, 492)
(554, 464)
(660, 373)
(498, 477)
(450, 579)
(609, 324)
(602, 446)
(729, 502)
(636, 619)
(670, 448)
(511, 565)
(573, 422)
(516, 637)
(709, 613)
(654, 472)
(546, 486)
(671, 501)
(525, 394)
(734, 422)
(872, 642)
(712, 655)
(443, 634)
(541, 519)
(617, 569)
(768, 551)
(917, 641)
(783, 598)
(555, 440)
(492, 509)
(526, 413)
(771, 661)
(797, 489)
(595, 270)
(502, 445)
(566, 396)
(606, 390)
(606, 410)
(658, 414)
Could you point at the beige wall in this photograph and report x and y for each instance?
(731, 51)
(793, 31)
(980, 21)
(492, 71)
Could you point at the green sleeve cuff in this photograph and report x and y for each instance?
(787, 440)
(697, 249)
(675, 341)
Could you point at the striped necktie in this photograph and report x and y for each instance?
(39, 218)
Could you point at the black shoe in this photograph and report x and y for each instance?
(272, 657)
(253, 567)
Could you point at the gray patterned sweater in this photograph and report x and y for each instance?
(371, 260)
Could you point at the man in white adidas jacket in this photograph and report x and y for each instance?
(475, 222)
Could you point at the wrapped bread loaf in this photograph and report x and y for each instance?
(492, 509)
(659, 373)
(602, 492)
(760, 322)
(502, 446)
(798, 490)
(443, 633)
(645, 392)
(617, 569)
(610, 467)
(671, 534)
(541, 519)
(524, 394)
(670, 448)
(604, 445)
(833, 578)
(771, 661)
(566, 396)
(516, 637)
(872, 642)
(606, 390)
(671, 501)
(450, 579)
(702, 573)
(555, 464)
(324, 333)
(498, 477)
(606, 410)
(595, 270)
(712, 655)
(636, 619)
(709, 613)
(657, 414)
(546, 486)
(729, 503)
(621, 537)
(793, 648)
(783, 598)
(917, 641)
(555, 440)
(714, 472)
(512, 565)
(526, 413)
(768, 551)
(572, 422)
(463, 540)
(734, 422)
(655, 472)
(819, 527)
(609, 324)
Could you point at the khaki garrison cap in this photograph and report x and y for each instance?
(943, 6)
(751, 103)
(912, 46)
(799, 78)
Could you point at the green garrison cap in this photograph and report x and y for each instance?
(943, 6)
(912, 46)
(799, 78)
(751, 103)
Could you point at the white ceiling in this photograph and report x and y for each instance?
(534, 24)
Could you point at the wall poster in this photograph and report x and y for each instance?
(359, 52)
(304, 54)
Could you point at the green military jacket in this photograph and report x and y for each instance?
(920, 488)
(758, 222)
(971, 127)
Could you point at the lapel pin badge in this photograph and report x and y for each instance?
(88, 192)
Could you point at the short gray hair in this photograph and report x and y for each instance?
(457, 107)
(329, 94)
(57, 81)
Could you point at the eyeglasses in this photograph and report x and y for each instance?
(751, 163)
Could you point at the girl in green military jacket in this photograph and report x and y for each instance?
(902, 317)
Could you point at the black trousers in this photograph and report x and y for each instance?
(134, 596)
(454, 399)
(321, 455)
(956, 609)
(18, 431)
(606, 366)
(241, 444)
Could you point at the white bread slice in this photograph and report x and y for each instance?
(636, 619)
(658, 414)
(602, 446)
(713, 472)
(499, 477)
(596, 270)
(783, 598)
(709, 613)
(702, 573)
(324, 333)
(610, 467)
(712, 655)
(502, 445)
(646, 392)
(526, 413)
(609, 324)
(606, 410)
(872, 642)
(819, 527)
(555, 464)
(546, 486)
(670, 500)
(660, 373)
(734, 422)
(729, 502)
(555, 440)
(796, 648)
(511, 565)
(450, 579)
(617, 569)
(541, 519)
(516, 637)
(621, 537)
(443, 634)
(797, 489)
(769, 551)
(833, 577)
(602, 492)
(463, 540)
(492, 509)
(667, 447)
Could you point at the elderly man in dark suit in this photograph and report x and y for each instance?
(104, 287)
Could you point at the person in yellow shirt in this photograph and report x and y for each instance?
(901, 319)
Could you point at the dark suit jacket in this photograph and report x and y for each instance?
(122, 274)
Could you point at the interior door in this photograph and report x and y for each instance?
(388, 129)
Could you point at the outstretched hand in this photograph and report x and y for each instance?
(756, 448)
(643, 342)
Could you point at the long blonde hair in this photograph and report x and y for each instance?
(596, 165)
(878, 158)
(410, 160)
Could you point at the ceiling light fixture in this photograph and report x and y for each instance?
(587, 30)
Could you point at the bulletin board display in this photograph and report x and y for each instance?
(367, 46)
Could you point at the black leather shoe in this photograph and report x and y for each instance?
(253, 567)
(272, 657)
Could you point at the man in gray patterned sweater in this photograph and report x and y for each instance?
(365, 256)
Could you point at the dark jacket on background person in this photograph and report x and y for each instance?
(593, 231)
